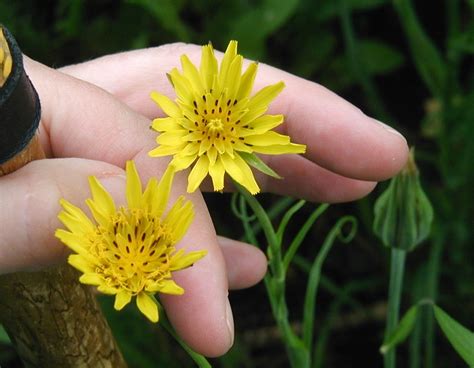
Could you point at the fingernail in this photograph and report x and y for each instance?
(230, 322)
(388, 128)
(114, 184)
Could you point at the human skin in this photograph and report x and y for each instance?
(96, 116)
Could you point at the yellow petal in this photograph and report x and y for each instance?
(182, 86)
(98, 213)
(76, 242)
(229, 148)
(122, 298)
(166, 287)
(198, 173)
(165, 124)
(179, 218)
(166, 150)
(168, 106)
(191, 149)
(192, 137)
(265, 95)
(150, 194)
(229, 57)
(91, 279)
(182, 162)
(190, 72)
(80, 263)
(217, 172)
(250, 115)
(248, 178)
(219, 144)
(232, 80)
(211, 154)
(107, 289)
(172, 138)
(281, 149)
(265, 123)
(101, 197)
(190, 113)
(147, 306)
(239, 146)
(76, 212)
(204, 146)
(179, 260)
(267, 139)
(163, 190)
(134, 186)
(246, 82)
(232, 168)
(74, 224)
(208, 67)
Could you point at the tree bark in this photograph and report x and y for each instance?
(54, 321)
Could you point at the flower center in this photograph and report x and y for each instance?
(215, 125)
(133, 251)
(216, 121)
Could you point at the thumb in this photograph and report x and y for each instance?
(29, 206)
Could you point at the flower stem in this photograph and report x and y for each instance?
(397, 267)
(198, 358)
(275, 284)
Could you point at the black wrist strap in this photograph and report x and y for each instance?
(20, 108)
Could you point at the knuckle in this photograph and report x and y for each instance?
(38, 206)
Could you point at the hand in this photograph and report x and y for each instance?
(88, 131)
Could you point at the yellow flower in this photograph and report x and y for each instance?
(6, 61)
(216, 125)
(130, 251)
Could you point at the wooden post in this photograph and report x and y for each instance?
(51, 318)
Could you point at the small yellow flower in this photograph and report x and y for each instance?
(6, 61)
(216, 125)
(130, 251)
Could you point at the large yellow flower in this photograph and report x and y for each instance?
(215, 124)
(130, 251)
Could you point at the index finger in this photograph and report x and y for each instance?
(338, 135)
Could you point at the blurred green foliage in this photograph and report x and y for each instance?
(409, 63)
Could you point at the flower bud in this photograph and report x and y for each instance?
(403, 213)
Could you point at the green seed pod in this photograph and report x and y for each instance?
(403, 213)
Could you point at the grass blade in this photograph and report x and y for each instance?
(460, 337)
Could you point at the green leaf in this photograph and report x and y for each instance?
(464, 42)
(460, 337)
(318, 49)
(253, 160)
(402, 331)
(4, 339)
(379, 57)
(253, 27)
(427, 58)
(166, 12)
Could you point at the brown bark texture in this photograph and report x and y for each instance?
(51, 318)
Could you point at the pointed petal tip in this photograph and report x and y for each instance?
(148, 307)
(122, 298)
